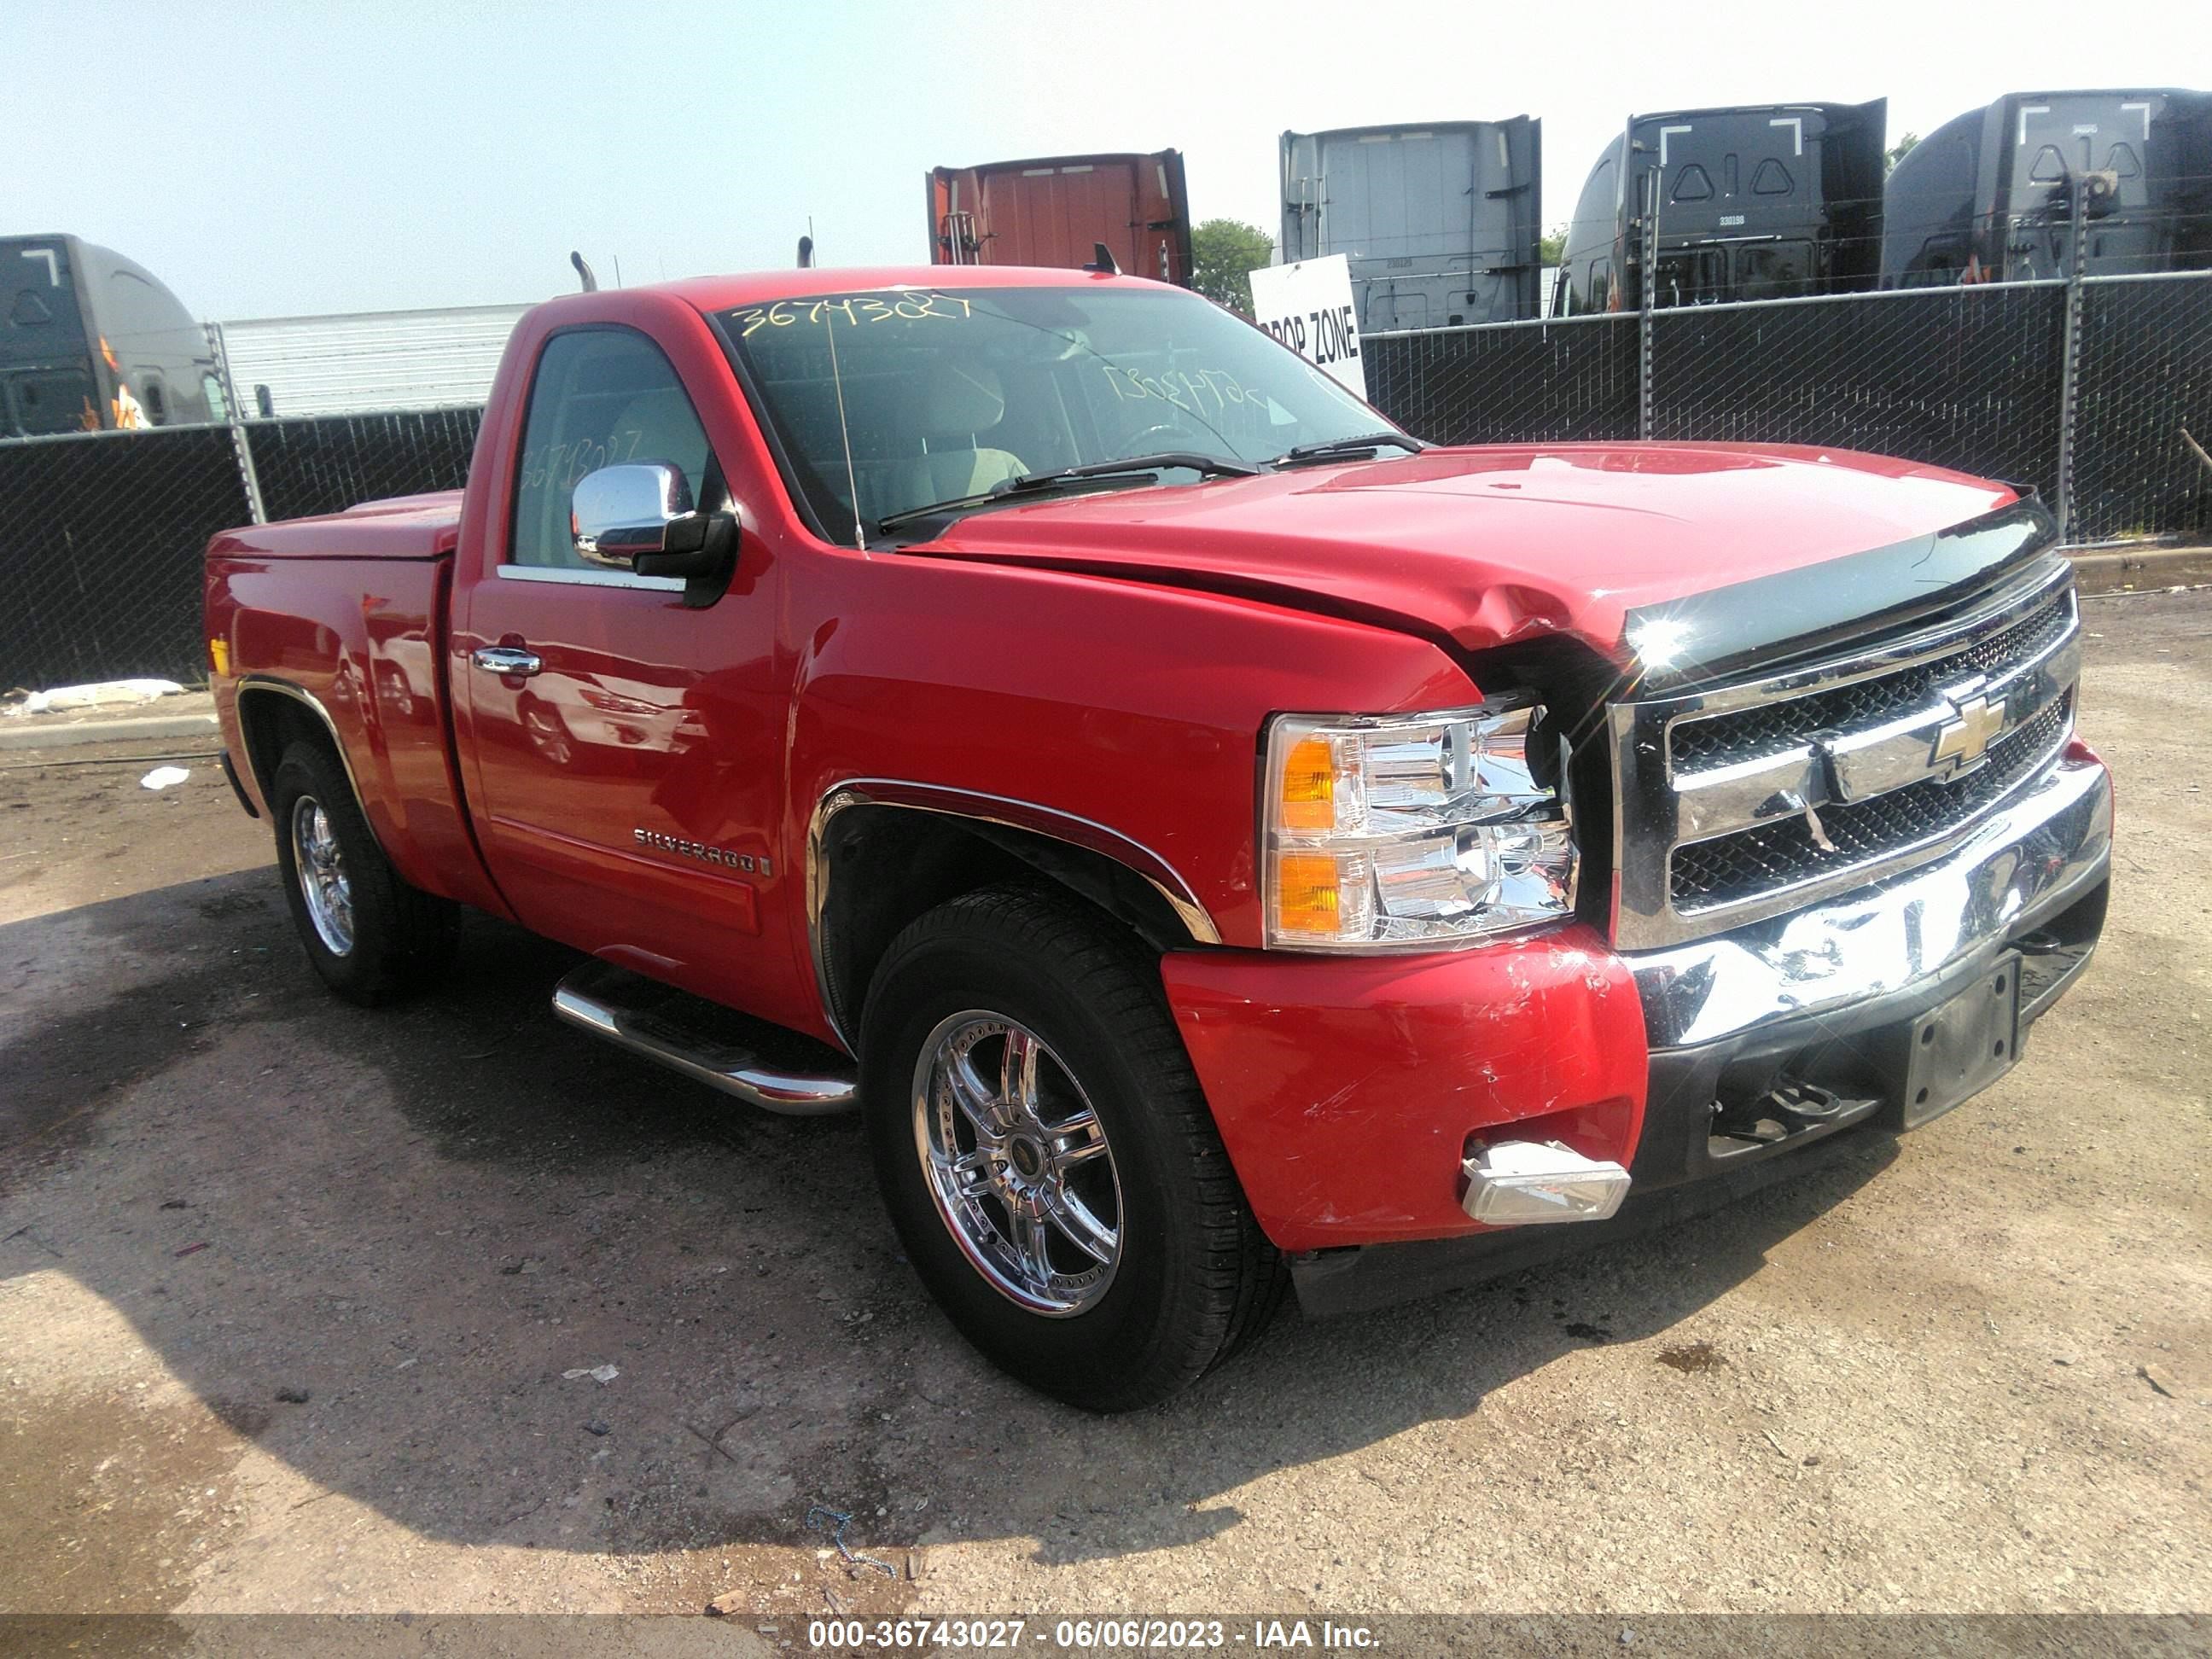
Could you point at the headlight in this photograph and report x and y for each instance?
(1409, 830)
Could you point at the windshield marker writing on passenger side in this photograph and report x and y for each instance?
(1130, 385)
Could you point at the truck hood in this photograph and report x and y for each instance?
(1499, 546)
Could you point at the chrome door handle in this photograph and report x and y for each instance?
(507, 659)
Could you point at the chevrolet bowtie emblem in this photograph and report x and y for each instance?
(1963, 740)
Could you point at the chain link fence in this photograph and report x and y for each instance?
(2145, 380)
(1973, 377)
(1963, 377)
(99, 552)
(100, 546)
(326, 462)
(1547, 382)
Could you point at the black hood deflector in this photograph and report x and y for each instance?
(1771, 621)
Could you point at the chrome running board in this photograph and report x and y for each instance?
(649, 1018)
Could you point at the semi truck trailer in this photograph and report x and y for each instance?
(1442, 223)
(1058, 210)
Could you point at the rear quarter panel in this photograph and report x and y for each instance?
(362, 637)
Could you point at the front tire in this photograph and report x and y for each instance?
(371, 936)
(1046, 1155)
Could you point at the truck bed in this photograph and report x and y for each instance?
(343, 618)
(395, 527)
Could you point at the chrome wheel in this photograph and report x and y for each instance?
(320, 868)
(1018, 1162)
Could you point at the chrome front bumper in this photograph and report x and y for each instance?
(2029, 860)
(1838, 996)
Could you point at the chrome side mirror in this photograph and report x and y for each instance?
(619, 512)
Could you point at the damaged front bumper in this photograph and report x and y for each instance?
(1882, 1007)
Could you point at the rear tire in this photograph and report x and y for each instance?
(1081, 1226)
(372, 937)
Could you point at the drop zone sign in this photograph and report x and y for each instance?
(1308, 307)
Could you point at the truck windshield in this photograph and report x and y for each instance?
(943, 393)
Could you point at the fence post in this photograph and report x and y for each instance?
(1645, 288)
(242, 446)
(2069, 362)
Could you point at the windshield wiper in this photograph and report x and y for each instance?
(1330, 447)
(1041, 484)
(1211, 466)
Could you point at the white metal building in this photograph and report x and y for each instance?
(368, 359)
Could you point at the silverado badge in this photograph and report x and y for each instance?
(702, 851)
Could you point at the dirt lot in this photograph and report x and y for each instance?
(287, 1292)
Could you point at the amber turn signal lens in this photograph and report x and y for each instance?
(1307, 899)
(1308, 796)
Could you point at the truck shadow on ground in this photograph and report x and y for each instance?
(430, 1221)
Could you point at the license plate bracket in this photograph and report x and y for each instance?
(1962, 1046)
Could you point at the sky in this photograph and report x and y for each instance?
(280, 161)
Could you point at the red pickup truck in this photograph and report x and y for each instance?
(1218, 842)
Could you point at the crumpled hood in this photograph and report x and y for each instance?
(1493, 546)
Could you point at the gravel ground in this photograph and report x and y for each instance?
(291, 1297)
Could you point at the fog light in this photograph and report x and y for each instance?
(1526, 1183)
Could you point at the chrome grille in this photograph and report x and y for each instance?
(1783, 854)
(1766, 728)
(1762, 796)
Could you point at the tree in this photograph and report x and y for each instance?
(1224, 253)
(1553, 247)
(1895, 153)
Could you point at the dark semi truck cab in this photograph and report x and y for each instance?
(90, 341)
(1992, 195)
(1756, 202)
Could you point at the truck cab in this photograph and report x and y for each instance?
(1990, 195)
(90, 341)
(1755, 202)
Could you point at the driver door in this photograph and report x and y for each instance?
(625, 746)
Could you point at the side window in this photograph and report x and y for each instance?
(1773, 271)
(157, 401)
(602, 397)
